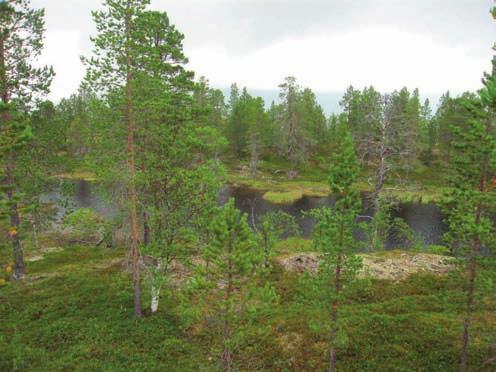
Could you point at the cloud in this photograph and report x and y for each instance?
(434, 45)
(386, 58)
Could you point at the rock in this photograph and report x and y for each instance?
(300, 262)
(395, 267)
(42, 252)
(292, 174)
(34, 258)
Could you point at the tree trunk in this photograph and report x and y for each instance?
(253, 154)
(134, 215)
(19, 269)
(375, 197)
(146, 229)
(35, 237)
(472, 272)
(292, 148)
(131, 187)
(380, 177)
(470, 303)
(334, 318)
(226, 355)
(155, 299)
(156, 280)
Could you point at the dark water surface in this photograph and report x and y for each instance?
(69, 196)
(424, 219)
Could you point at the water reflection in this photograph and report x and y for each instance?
(424, 219)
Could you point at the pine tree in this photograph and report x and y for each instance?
(211, 105)
(392, 145)
(409, 130)
(313, 121)
(231, 282)
(295, 140)
(167, 168)
(257, 125)
(21, 42)
(272, 227)
(210, 114)
(363, 113)
(237, 130)
(428, 134)
(468, 206)
(246, 127)
(333, 239)
(451, 112)
(233, 97)
(115, 66)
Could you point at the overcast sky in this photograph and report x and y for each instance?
(434, 45)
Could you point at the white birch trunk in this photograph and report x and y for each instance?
(156, 286)
(155, 299)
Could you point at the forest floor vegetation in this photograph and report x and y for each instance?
(75, 311)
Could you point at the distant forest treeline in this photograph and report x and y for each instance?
(295, 128)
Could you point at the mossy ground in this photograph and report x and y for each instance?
(75, 313)
(78, 316)
(283, 197)
(272, 179)
(80, 174)
(424, 185)
(293, 245)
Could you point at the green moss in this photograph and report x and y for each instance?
(426, 195)
(80, 318)
(81, 174)
(279, 189)
(287, 197)
(390, 254)
(308, 188)
(425, 186)
(415, 324)
(293, 245)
